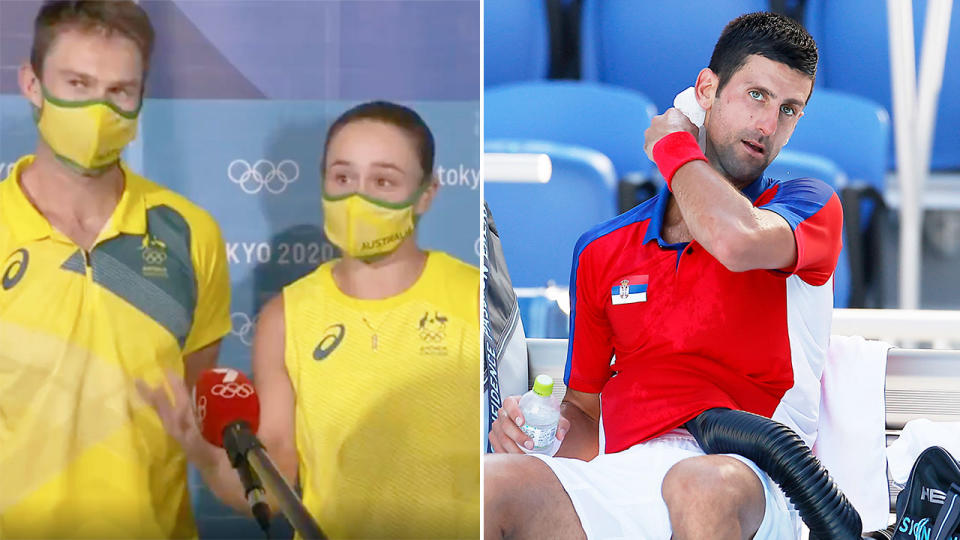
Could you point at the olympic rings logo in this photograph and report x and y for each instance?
(263, 174)
(153, 256)
(432, 337)
(433, 329)
(232, 390)
(242, 326)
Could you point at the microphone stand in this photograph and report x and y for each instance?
(244, 450)
(253, 490)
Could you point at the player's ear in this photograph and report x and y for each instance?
(706, 88)
(29, 82)
(426, 198)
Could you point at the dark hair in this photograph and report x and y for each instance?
(395, 115)
(122, 16)
(770, 35)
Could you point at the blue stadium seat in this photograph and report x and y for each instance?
(540, 223)
(853, 132)
(516, 41)
(792, 164)
(542, 316)
(656, 47)
(600, 117)
(849, 130)
(795, 164)
(855, 57)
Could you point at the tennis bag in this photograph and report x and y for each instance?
(928, 508)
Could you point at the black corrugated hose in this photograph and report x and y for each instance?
(780, 452)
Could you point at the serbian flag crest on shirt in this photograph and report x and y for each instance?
(629, 290)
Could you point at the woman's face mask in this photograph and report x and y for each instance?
(367, 228)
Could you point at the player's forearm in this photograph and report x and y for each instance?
(717, 215)
(222, 479)
(582, 440)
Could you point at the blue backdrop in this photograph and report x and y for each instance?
(248, 86)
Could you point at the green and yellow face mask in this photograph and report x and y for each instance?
(366, 228)
(86, 135)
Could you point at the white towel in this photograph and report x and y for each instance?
(917, 436)
(686, 102)
(851, 441)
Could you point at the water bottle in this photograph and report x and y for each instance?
(541, 413)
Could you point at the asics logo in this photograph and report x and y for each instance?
(231, 390)
(332, 337)
(242, 326)
(15, 269)
(263, 174)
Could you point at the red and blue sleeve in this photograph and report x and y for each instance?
(590, 347)
(813, 210)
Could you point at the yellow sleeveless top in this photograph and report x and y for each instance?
(387, 407)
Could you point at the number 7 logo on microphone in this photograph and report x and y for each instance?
(229, 375)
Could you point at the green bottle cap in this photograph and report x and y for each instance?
(543, 385)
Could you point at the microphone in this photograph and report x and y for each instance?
(228, 413)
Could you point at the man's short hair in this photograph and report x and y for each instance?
(395, 115)
(773, 36)
(106, 16)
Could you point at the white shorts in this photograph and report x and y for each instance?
(618, 495)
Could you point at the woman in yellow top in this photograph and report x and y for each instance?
(368, 369)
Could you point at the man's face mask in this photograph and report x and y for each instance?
(86, 135)
(366, 228)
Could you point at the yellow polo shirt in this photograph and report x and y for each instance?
(81, 455)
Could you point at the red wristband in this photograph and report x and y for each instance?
(675, 150)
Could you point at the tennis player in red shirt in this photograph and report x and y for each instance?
(717, 292)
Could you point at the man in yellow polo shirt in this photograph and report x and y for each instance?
(105, 278)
